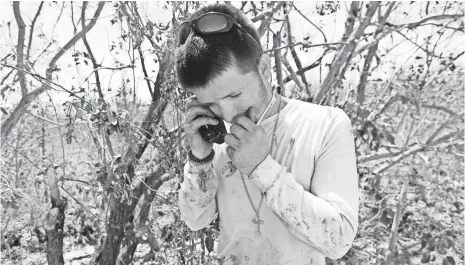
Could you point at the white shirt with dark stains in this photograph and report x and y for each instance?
(311, 204)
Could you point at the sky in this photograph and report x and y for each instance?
(104, 34)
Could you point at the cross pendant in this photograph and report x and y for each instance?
(258, 222)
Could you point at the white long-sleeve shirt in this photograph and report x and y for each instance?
(311, 204)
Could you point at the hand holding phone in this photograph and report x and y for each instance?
(213, 133)
(202, 128)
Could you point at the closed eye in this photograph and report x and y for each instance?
(237, 95)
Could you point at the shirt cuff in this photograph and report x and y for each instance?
(266, 173)
(195, 167)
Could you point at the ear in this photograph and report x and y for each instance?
(264, 67)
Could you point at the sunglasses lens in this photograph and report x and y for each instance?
(183, 33)
(212, 23)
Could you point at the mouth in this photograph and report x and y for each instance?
(247, 113)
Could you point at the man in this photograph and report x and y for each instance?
(284, 182)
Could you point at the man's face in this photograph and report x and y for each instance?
(233, 94)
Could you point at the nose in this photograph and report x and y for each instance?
(227, 111)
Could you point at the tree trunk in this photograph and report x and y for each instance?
(130, 246)
(54, 233)
(108, 252)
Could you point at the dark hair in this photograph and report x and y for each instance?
(203, 57)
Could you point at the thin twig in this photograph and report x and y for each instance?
(20, 46)
(82, 205)
(61, 140)
(44, 119)
(144, 70)
(89, 50)
(309, 21)
(305, 45)
(77, 180)
(31, 34)
(27, 158)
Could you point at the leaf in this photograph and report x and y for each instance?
(111, 117)
(388, 137)
(112, 201)
(448, 242)
(209, 243)
(448, 261)
(439, 247)
(4, 111)
(364, 114)
(80, 113)
(425, 258)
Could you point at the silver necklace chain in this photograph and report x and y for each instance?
(257, 219)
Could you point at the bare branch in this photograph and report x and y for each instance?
(89, 50)
(396, 221)
(142, 62)
(27, 99)
(370, 55)
(433, 106)
(343, 58)
(307, 68)
(266, 18)
(293, 75)
(305, 45)
(277, 60)
(368, 158)
(295, 57)
(444, 125)
(309, 21)
(20, 46)
(76, 37)
(437, 17)
(59, 16)
(44, 119)
(31, 34)
(416, 44)
(419, 148)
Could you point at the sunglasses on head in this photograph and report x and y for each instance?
(210, 23)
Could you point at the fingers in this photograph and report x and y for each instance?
(196, 111)
(247, 123)
(230, 151)
(194, 106)
(231, 140)
(238, 131)
(193, 127)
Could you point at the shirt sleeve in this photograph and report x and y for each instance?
(197, 196)
(325, 217)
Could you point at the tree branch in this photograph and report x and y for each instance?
(142, 62)
(416, 149)
(75, 38)
(396, 221)
(448, 111)
(296, 58)
(306, 45)
(89, 50)
(343, 58)
(309, 21)
(26, 100)
(20, 46)
(31, 34)
(293, 76)
(437, 17)
(306, 68)
(370, 55)
(266, 17)
(277, 60)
